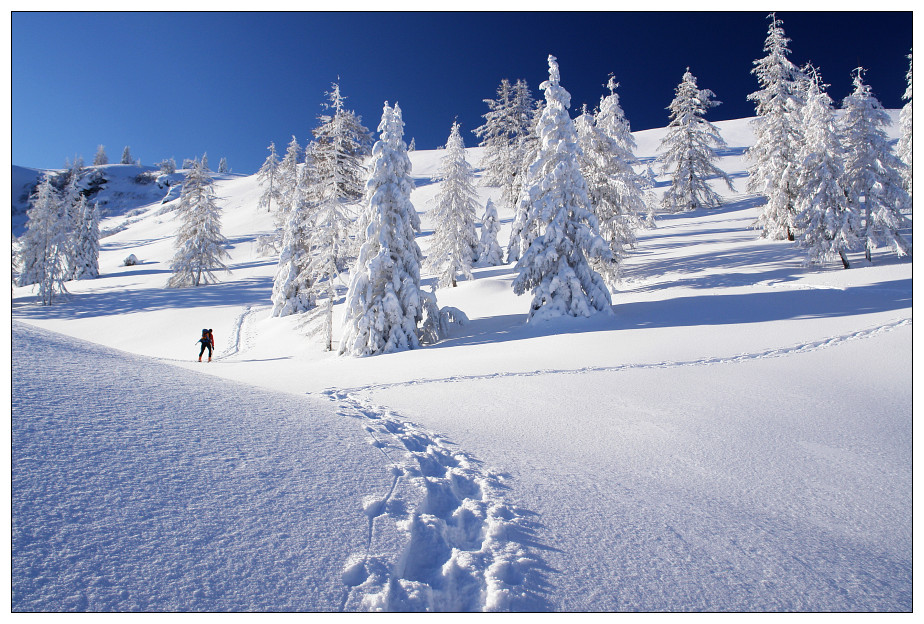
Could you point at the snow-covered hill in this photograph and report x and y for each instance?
(736, 437)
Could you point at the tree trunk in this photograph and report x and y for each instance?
(844, 259)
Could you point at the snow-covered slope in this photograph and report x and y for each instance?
(736, 437)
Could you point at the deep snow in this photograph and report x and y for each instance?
(736, 437)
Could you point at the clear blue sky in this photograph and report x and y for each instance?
(180, 84)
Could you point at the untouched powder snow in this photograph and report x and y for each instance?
(737, 436)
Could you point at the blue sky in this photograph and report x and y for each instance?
(180, 84)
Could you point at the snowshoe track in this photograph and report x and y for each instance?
(441, 538)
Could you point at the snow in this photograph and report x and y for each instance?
(736, 437)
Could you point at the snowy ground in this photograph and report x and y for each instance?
(736, 437)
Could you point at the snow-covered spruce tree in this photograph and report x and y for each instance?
(520, 235)
(455, 242)
(288, 178)
(71, 205)
(86, 247)
(827, 222)
(292, 292)
(872, 171)
(384, 303)
(167, 166)
(268, 177)
(44, 243)
(199, 244)
(223, 165)
(489, 250)
(126, 156)
(100, 158)
(502, 134)
(336, 158)
(556, 267)
(777, 135)
(905, 143)
(689, 150)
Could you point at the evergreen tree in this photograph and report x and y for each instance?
(268, 177)
(223, 165)
(288, 178)
(167, 166)
(455, 243)
(905, 151)
(200, 245)
(384, 303)
(489, 250)
(828, 224)
(70, 207)
(778, 139)
(292, 292)
(86, 257)
(873, 172)
(556, 265)
(689, 150)
(413, 146)
(126, 156)
(100, 158)
(520, 235)
(44, 244)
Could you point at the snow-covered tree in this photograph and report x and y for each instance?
(489, 250)
(223, 165)
(44, 244)
(520, 235)
(86, 246)
(413, 146)
(292, 284)
(689, 150)
(455, 242)
(777, 135)
(872, 171)
(502, 134)
(288, 177)
(199, 244)
(268, 178)
(384, 303)
(126, 156)
(556, 266)
(905, 143)
(167, 166)
(100, 158)
(827, 222)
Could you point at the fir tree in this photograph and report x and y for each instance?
(86, 257)
(70, 208)
(520, 235)
(384, 304)
(44, 244)
(100, 158)
(268, 177)
(288, 178)
(778, 139)
(689, 150)
(455, 243)
(489, 250)
(292, 284)
(200, 245)
(872, 171)
(905, 150)
(223, 165)
(556, 265)
(828, 224)
(126, 156)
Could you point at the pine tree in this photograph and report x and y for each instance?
(905, 150)
(615, 190)
(506, 124)
(268, 177)
(520, 235)
(126, 156)
(489, 250)
(292, 292)
(556, 265)
(223, 165)
(689, 150)
(200, 245)
(872, 171)
(777, 135)
(828, 224)
(86, 257)
(100, 158)
(44, 244)
(288, 178)
(455, 242)
(384, 303)
(71, 205)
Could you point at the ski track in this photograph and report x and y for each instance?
(442, 537)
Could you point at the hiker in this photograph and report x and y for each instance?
(208, 342)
